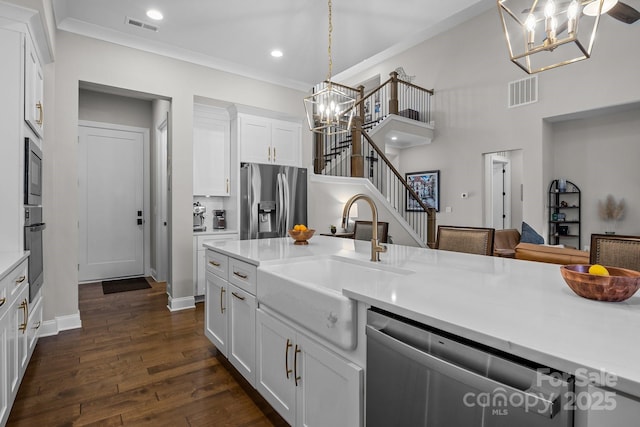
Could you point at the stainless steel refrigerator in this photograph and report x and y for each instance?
(272, 200)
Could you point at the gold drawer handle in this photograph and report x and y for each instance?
(20, 280)
(40, 113)
(240, 297)
(215, 264)
(24, 306)
(240, 275)
(227, 186)
(2, 301)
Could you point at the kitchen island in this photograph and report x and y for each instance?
(519, 307)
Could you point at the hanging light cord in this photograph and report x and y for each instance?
(329, 49)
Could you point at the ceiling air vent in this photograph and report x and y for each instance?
(523, 92)
(140, 24)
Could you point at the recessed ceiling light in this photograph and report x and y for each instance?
(156, 15)
(276, 53)
(394, 138)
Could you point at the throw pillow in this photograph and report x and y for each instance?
(529, 235)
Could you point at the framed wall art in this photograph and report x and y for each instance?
(427, 187)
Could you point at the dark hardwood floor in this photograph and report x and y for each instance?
(135, 363)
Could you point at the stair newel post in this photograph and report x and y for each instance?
(318, 161)
(357, 159)
(431, 227)
(393, 97)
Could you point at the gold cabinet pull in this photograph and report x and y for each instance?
(240, 275)
(227, 185)
(40, 118)
(222, 291)
(2, 301)
(240, 297)
(269, 153)
(296, 377)
(274, 154)
(20, 280)
(214, 263)
(24, 306)
(286, 357)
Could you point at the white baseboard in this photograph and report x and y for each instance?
(60, 323)
(177, 304)
(152, 273)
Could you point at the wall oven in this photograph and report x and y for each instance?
(32, 173)
(419, 376)
(33, 228)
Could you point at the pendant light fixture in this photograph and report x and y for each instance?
(330, 110)
(545, 34)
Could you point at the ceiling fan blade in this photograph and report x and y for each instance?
(625, 13)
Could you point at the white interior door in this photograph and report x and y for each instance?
(111, 203)
(497, 191)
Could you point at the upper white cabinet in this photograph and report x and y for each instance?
(33, 88)
(211, 151)
(266, 140)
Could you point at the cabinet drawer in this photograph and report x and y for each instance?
(218, 264)
(11, 285)
(243, 275)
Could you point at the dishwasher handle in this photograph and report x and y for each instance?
(537, 403)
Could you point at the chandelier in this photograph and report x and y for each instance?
(545, 34)
(329, 110)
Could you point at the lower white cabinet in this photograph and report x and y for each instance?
(241, 350)
(230, 314)
(215, 311)
(5, 392)
(598, 407)
(305, 382)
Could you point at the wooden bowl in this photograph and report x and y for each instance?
(301, 237)
(620, 285)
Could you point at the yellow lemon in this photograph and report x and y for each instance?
(598, 270)
(303, 227)
(297, 227)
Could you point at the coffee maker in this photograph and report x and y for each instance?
(198, 217)
(219, 222)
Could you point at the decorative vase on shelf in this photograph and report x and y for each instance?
(562, 185)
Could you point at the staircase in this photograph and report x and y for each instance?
(395, 106)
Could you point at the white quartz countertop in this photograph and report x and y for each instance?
(520, 307)
(213, 232)
(10, 260)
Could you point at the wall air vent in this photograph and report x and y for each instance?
(523, 92)
(140, 24)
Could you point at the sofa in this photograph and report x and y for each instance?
(551, 254)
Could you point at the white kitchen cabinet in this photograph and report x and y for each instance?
(597, 407)
(200, 258)
(266, 140)
(5, 391)
(230, 311)
(33, 326)
(215, 311)
(33, 88)
(241, 351)
(308, 384)
(211, 151)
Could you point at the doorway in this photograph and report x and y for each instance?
(503, 189)
(113, 201)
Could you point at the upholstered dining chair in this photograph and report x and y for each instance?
(471, 240)
(363, 230)
(615, 251)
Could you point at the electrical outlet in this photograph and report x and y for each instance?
(448, 209)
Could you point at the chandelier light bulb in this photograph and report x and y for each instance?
(572, 16)
(549, 9)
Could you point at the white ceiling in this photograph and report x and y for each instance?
(238, 36)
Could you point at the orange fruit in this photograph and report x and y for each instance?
(598, 270)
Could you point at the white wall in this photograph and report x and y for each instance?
(116, 109)
(469, 68)
(83, 59)
(600, 155)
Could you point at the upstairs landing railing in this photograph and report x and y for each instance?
(346, 154)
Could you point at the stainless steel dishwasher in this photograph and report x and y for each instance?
(418, 376)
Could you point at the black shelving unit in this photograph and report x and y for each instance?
(564, 214)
